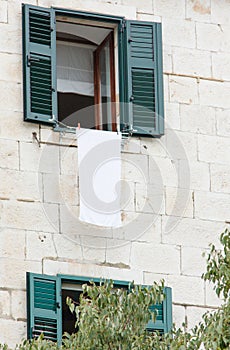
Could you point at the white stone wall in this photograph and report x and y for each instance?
(168, 222)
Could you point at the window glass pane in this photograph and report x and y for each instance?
(105, 86)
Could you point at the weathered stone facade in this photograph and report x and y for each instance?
(39, 199)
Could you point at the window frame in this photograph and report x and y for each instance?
(156, 121)
(163, 326)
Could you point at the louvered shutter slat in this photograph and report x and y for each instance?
(163, 322)
(39, 54)
(44, 315)
(144, 77)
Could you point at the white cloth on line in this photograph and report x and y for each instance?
(99, 162)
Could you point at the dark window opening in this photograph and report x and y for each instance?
(69, 318)
(86, 76)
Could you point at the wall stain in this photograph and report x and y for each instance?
(200, 8)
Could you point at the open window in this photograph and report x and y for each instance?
(93, 69)
(86, 74)
(47, 312)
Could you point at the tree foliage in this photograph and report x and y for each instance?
(115, 319)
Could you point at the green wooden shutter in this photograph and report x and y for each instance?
(39, 64)
(163, 323)
(44, 306)
(144, 77)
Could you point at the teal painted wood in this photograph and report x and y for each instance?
(39, 65)
(144, 77)
(159, 77)
(163, 323)
(44, 306)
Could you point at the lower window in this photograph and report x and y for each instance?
(48, 313)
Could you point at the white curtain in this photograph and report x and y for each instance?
(75, 69)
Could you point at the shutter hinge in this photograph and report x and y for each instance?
(123, 26)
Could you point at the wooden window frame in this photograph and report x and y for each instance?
(97, 80)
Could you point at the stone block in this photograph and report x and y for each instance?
(162, 172)
(12, 243)
(166, 87)
(150, 277)
(178, 314)
(12, 332)
(43, 159)
(9, 154)
(153, 233)
(220, 178)
(194, 315)
(191, 62)
(183, 90)
(18, 304)
(52, 267)
(93, 6)
(199, 177)
(141, 6)
(39, 245)
(10, 41)
(179, 202)
(214, 93)
(150, 198)
(157, 258)
(12, 127)
(11, 96)
(67, 248)
(172, 116)
(213, 149)
(199, 11)
(154, 146)
(15, 277)
(174, 9)
(16, 184)
(191, 232)
(3, 11)
(4, 303)
(221, 65)
(29, 216)
(60, 189)
(213, 37)
(132, 145)
(128, 193)
(93, 248)
(223, 122)
(148, 17)
(11, 65)
(211, 299)
(220, 11)
(118, 252)
(71, 226)
(69, 161)
(138, 227)
(178, 32)
(212, 206)
(186, 289)
(198, 119)
(48, 135)
(192, 261)
(167, 59)
(135, 167)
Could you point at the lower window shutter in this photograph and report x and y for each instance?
(145, 77)
(39, 65)
(163, 323)
(44, 306)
